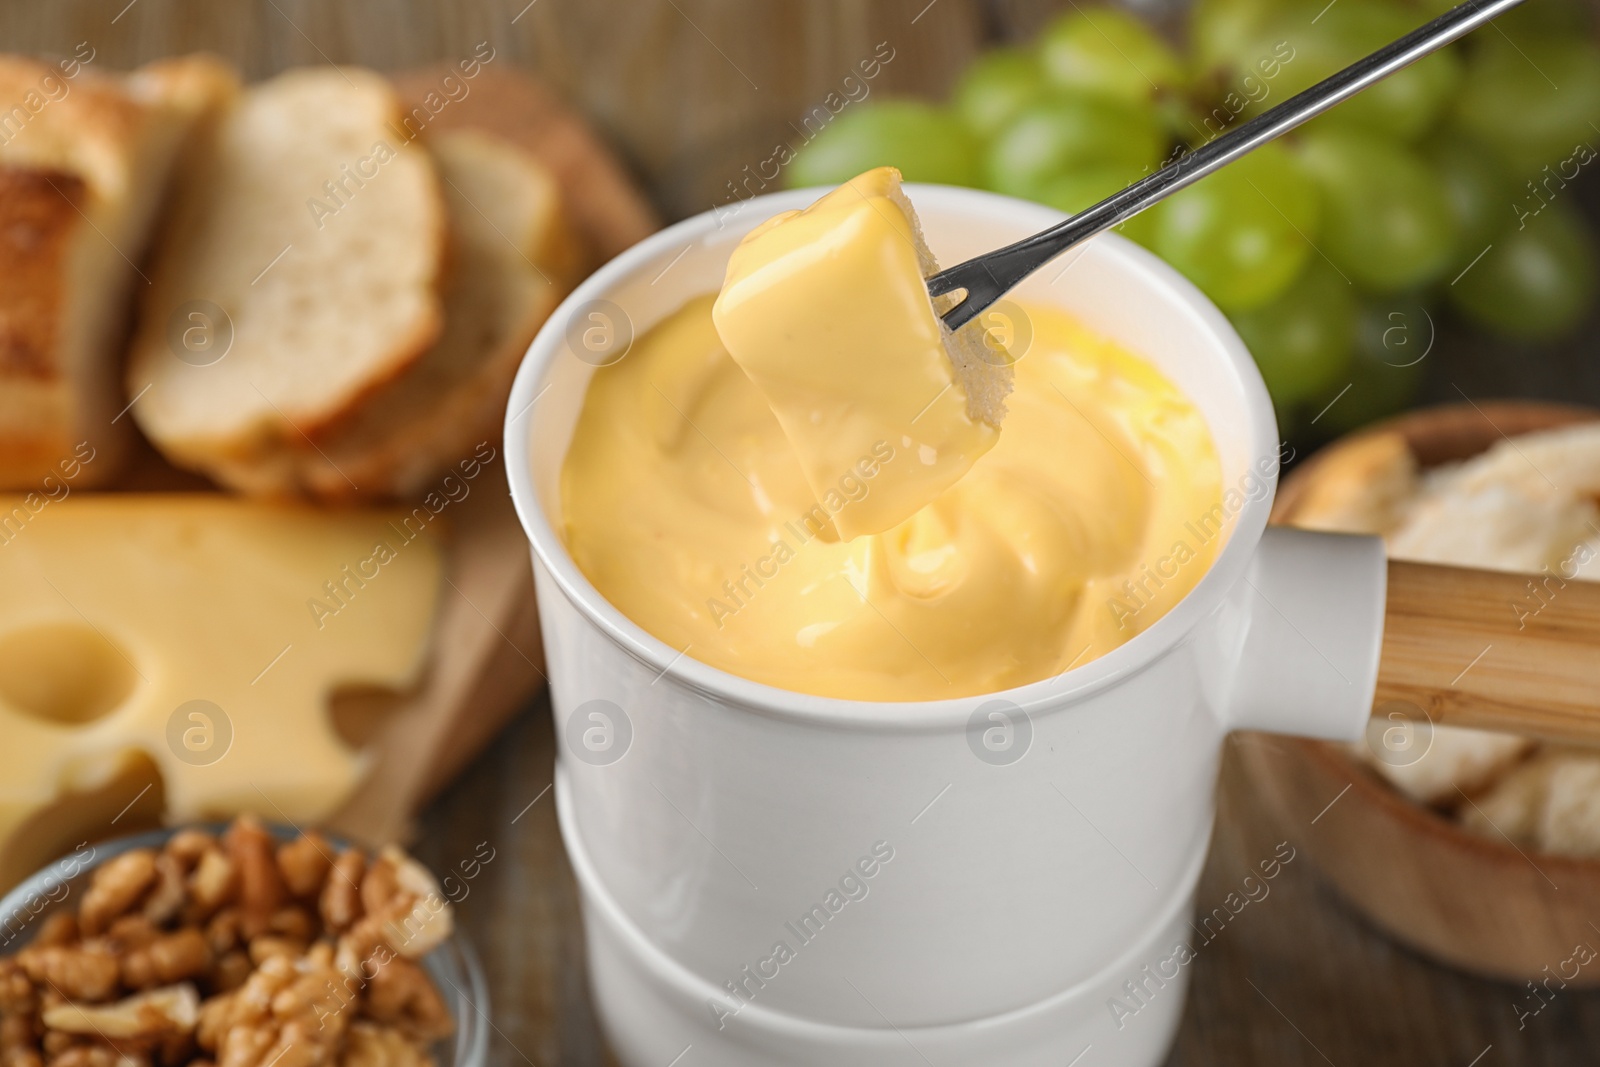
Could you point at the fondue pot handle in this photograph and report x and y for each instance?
(1300, 636)
(1491, 650)
(1331, 633)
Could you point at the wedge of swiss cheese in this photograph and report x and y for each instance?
(201, 634)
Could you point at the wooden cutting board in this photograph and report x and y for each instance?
(487, 658)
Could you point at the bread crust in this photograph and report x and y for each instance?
(83, 161)
(39, 218)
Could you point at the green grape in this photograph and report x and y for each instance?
(1179, 121)
(1541, 21)
(1403, 105)
(1237, 97)
(1535, 282)
(1476, 190)
(1052, 137)
(1086, 187)
(1510, 101)
(1140, 229)
(996, 86)
(1385, 224)
(1241, 234)
(1082, 188)
(927, 143)
(1394, 337)
(1303, 339)
(1105, 52)
(1225, 35)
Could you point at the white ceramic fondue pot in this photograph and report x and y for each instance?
(777, 878)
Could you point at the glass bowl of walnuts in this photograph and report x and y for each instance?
(245, 945)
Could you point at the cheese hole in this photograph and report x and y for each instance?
(358, 712)
(63, 672)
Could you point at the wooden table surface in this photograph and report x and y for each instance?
(692, 91)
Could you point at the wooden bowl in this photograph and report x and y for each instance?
(1483, 905)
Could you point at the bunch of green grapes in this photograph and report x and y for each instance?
(1332, 250)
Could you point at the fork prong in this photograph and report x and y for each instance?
(945, 282)
(978, 288)
(968, 309)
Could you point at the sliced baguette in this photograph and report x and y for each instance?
(84, 162)
(514, 260)
(198, 88)
(318, 229)
(1364, 486)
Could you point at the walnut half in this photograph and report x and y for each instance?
(160, 1012)
(382, 1046)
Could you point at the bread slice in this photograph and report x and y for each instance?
(1364, 486)
(1456, 759)
(1551, 802)
(198, 89)
(313, 232)
(1570, 822)
(514, 260)
(84, 162)
(1512, 805)
(1564, 460)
